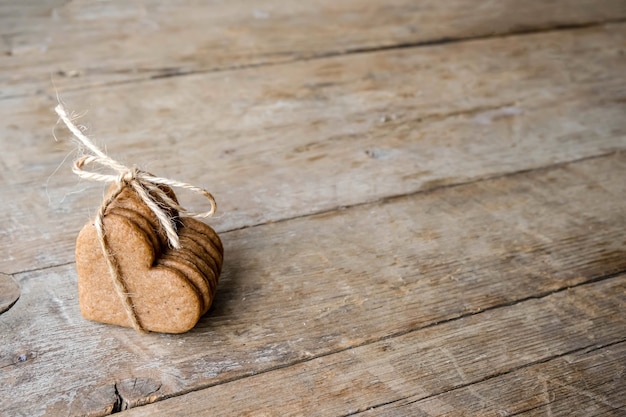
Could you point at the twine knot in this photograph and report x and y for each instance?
(148, 188)
(128, 176)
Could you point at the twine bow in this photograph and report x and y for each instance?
(143, 183)
(147, 188)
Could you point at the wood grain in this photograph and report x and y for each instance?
(586, 383)
(422, 204)
(82, 43)
(299, 290)
(419, 364)
(267, 141)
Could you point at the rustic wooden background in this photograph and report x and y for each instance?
(423, 204)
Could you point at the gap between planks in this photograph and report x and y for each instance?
(360, 25)
(544, 168)
(369, 50)
(589, 348)
(583, 351)
(177, 72)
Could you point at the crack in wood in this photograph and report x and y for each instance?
(42, 268)
(117, 405)
(134, 392)
(433, 189)
(450, 40)
(9, 292)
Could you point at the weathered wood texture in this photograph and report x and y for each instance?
(83, 43)
(456, 356)
(285, 141)
(422, 204)
(364, 277)
(588, 382)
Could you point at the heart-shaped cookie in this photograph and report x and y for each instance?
(170, 289)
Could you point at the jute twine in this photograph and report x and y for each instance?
(147, 188)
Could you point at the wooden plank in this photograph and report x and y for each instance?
(581, 384)
(267, 141)
(82, 43)
(309, 287)
(419, 364)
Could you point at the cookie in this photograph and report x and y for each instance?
(213, 265)
(194, 257)
(189, 267)
(162, 297)
(170, 289)
(192, 270)
(188, 253)
(128, 273)
(207, 238)
(197, 245)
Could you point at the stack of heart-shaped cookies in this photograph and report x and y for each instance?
(170, 289)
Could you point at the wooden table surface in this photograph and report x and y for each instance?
(422, 202)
